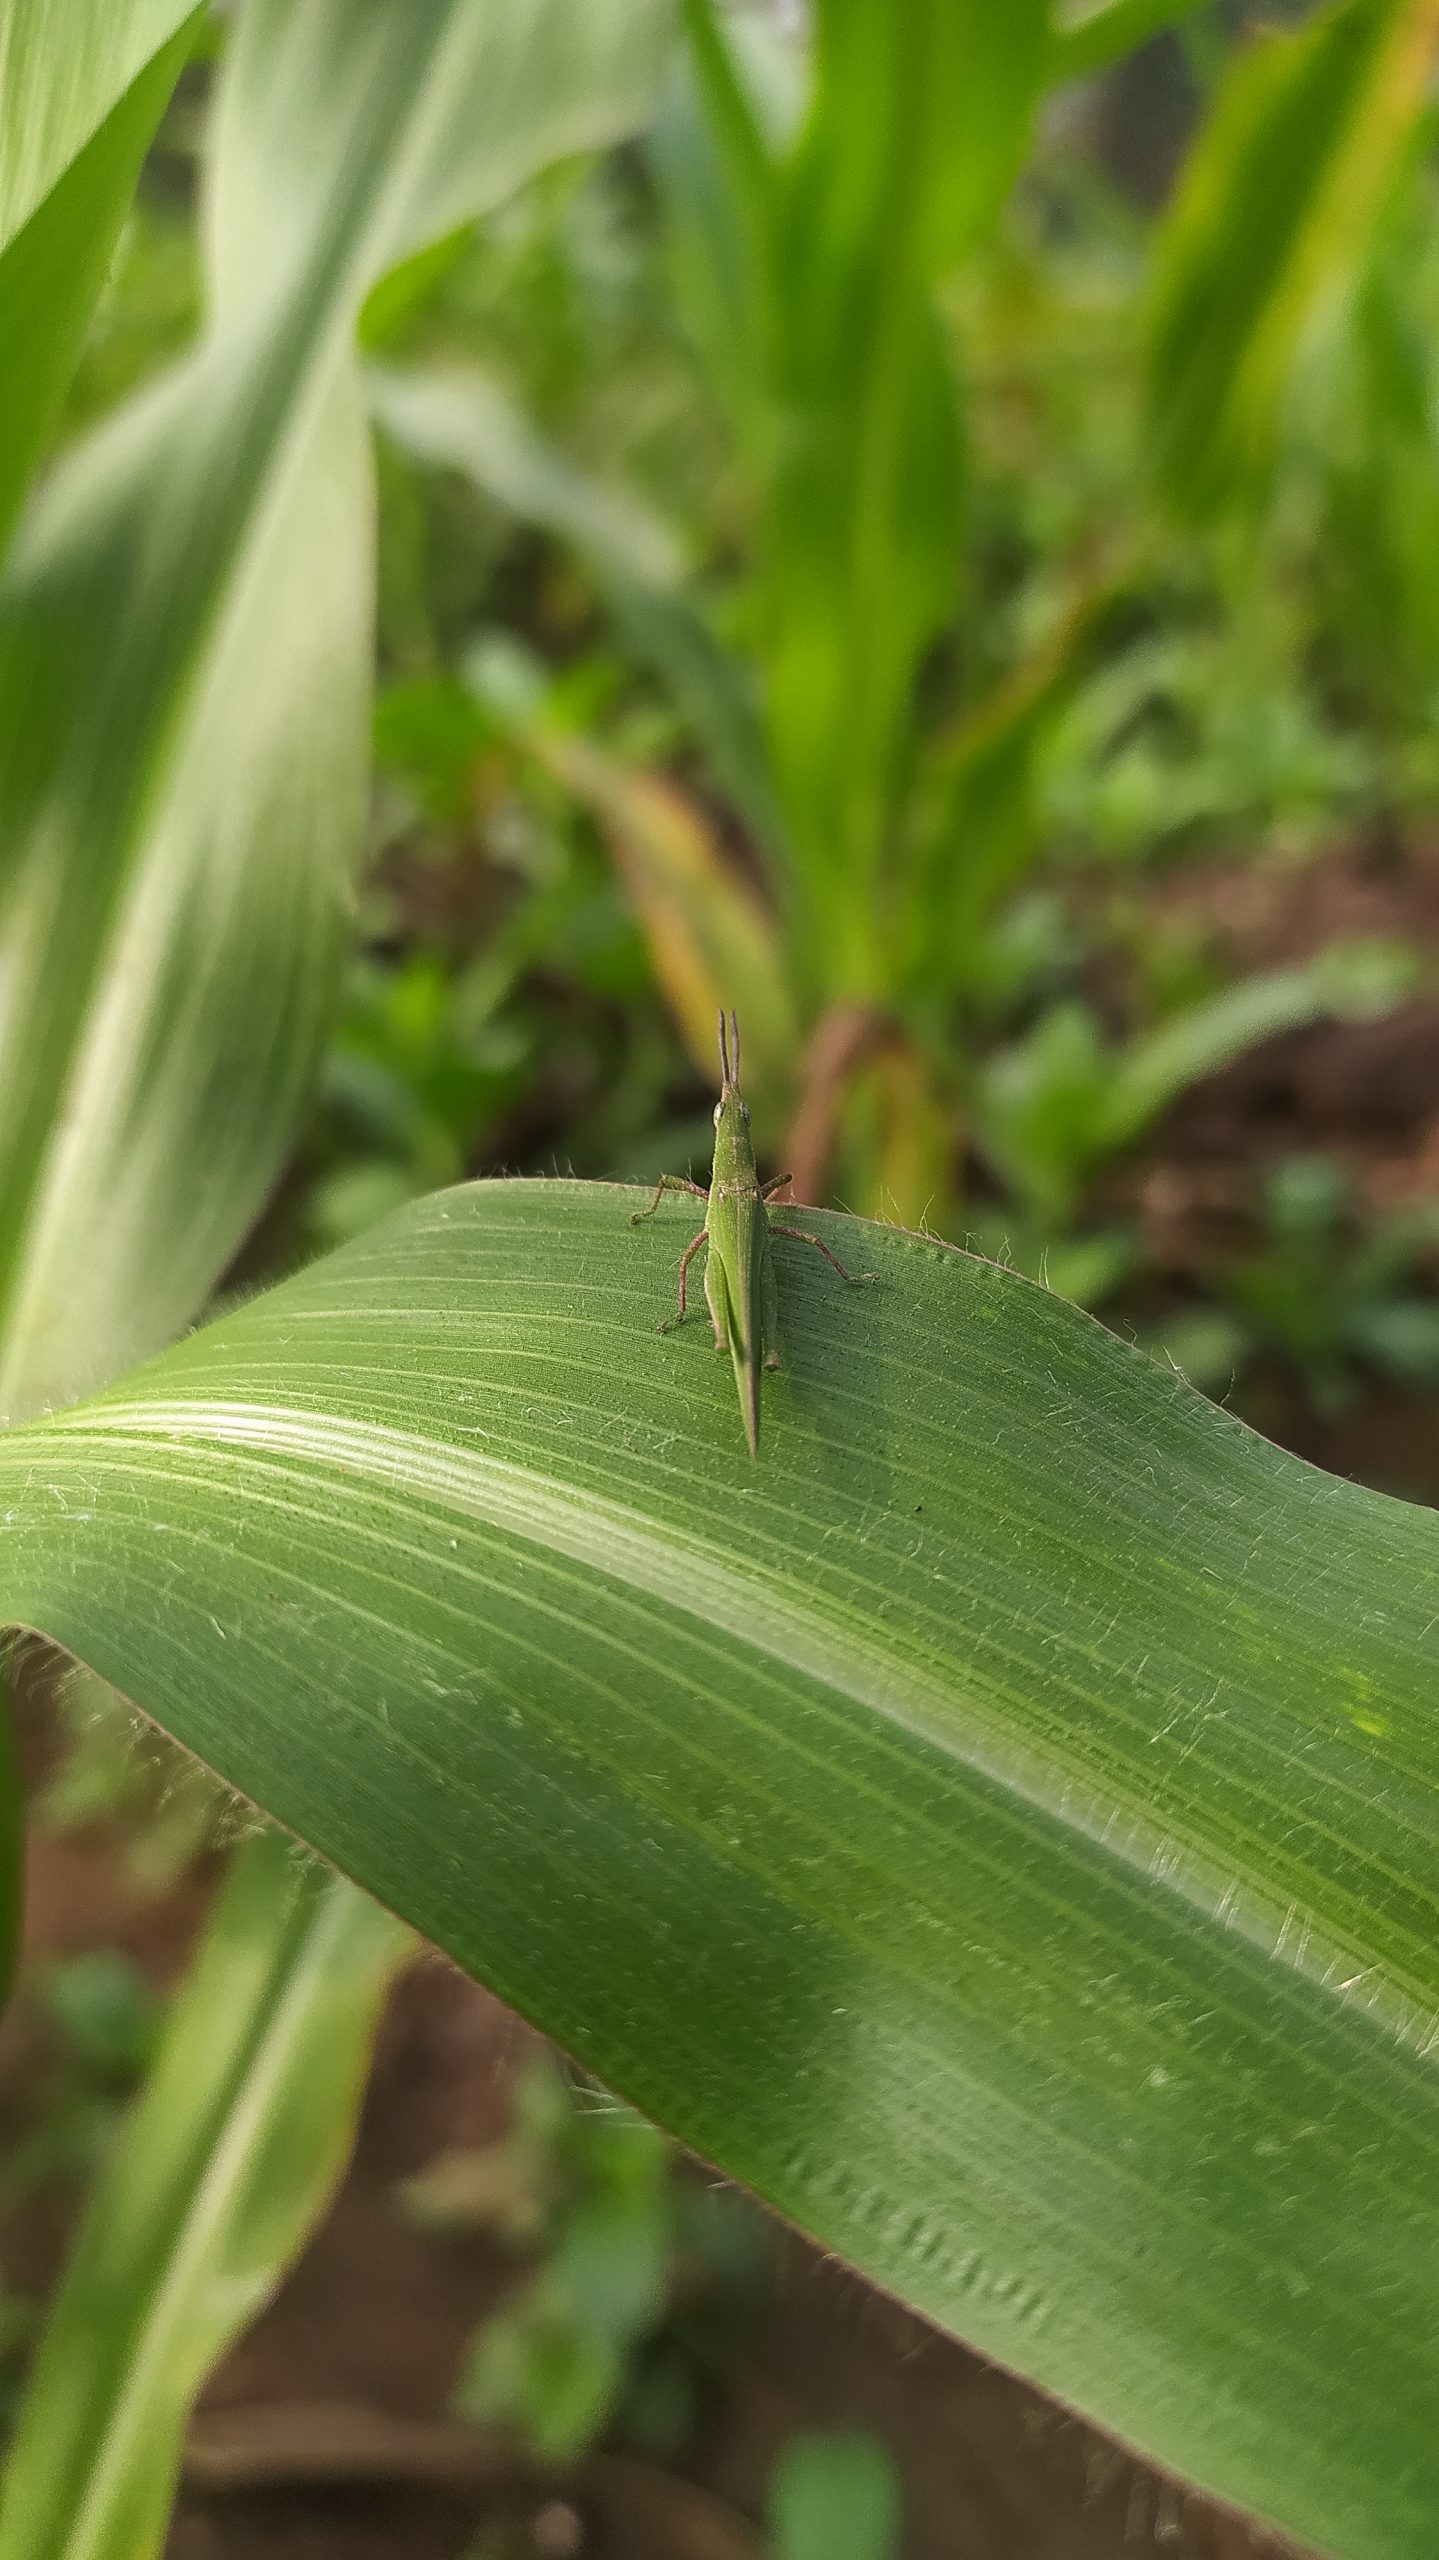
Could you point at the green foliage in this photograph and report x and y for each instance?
(106, 2010)
(1335, 1298)
(1278, 204)
(184, 668)
(553, 2363)
(860, 521)
(823, 254)
(1165, 1692)
(637, 2277)
(785, 551)
(113, 1767)
(53, 262)
(238, 2140)
(1059, 1101)
(100, 2019)
(834, 2497)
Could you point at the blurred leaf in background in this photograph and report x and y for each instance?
(1334, 1297)
(81, 93)
(835, 2497)
(239, 2137)
(1279, 201)
(553, 2363)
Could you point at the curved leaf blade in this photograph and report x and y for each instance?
(456, 105)
(233, 2149)
(64, 65)
(1274, 216)
(51, 272)
(184, 667)
(1000, 1828)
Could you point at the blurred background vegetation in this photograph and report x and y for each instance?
(974, 605)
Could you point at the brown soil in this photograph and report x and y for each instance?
(1363, 1093)
(323, 2436)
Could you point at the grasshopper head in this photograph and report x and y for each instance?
(734, 1154)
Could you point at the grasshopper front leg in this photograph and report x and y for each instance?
(667, 1182)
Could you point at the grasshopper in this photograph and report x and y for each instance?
(739, 1267)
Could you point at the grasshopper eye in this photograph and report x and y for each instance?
(744, 1113)
(719, 1107)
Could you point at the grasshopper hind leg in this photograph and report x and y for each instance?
(802, 1235)
(686, 1258)
(717, 1302)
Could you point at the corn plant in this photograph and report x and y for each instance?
(883, 751)
(998, 1827)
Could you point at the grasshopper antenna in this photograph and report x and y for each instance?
(734, 1037)
(724, 1050)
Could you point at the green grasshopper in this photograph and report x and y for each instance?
(739, 1267)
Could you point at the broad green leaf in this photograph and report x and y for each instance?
(456, 103)
(64, 66)
(52, 270)
(999, 1827)
(82, 85)
(1273, 220)
(183, 672)
(235, 2146)
(184, 665)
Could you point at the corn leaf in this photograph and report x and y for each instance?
(82, 87)
(233, 2149)
(64, 66)
(917, 126)
(184, 665)
(999, 1828)
(1272, 223)
(53, 266)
